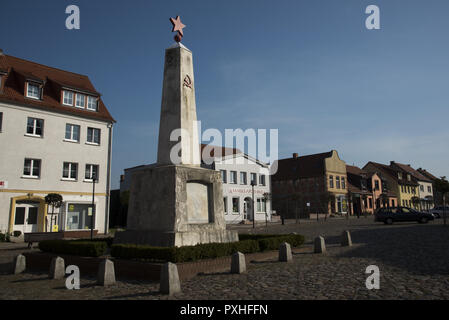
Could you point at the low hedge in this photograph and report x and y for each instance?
(108, 240)
(247, 244)
(74, 247)
(183, 254)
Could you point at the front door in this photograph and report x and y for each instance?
(26, 217)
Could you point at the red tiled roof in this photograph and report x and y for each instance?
(392, 172)
(427, 174)
(19, 70)
(413, 172)
(301, 167)
(355, 170)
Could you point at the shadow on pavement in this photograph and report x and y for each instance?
(419, 249)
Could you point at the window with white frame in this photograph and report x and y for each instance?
(243, 177)
(337, 182)
(225, 205)
(343, 183)
(429, 188)
(261, 205)
(72, 132)
(70, 171)
(92, 103)
(224, 176)
(33, 90)
(331, 181)
(67, 98)
(254, 179)
(80, 100)
(235, 205)
(93, 135)
(32, 168)
(91, 172)
(233, 177)
(35, 127)
(262, 180)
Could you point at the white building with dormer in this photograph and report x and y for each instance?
(55, 137)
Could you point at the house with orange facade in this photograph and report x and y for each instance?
(367, 191)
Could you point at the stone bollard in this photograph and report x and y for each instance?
(169, 282)
(57, 268)
(106, 273)
(19, 264)
(285, 252)
(320, 245)
(238, 263)
(346, 239)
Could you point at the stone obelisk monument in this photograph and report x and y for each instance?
(176, 202)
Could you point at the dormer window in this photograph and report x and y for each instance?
(67, 98)
(92, 103)
(409, 177)
(399, 175)
(33, 91)
(80, 100)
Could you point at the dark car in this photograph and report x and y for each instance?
(390, 215)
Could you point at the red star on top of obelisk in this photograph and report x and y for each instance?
(177, 26)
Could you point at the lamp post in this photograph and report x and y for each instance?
(92, 221)
(253, 183)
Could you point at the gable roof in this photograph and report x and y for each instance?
(301, 167)
(356, 170)
(427, 174)
(53, 80)
(407, 168)
(392, 172)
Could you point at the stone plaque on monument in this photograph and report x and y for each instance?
(176, 202)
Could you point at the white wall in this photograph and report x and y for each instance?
(15, 146)
(240, 163)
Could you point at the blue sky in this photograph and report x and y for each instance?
(309, 68)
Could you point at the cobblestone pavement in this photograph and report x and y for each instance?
(413, 260)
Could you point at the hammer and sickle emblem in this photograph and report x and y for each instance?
(188, 82)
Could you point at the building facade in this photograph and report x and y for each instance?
(239, 172)
(367, 191)
(425, 188)
(398, 181)
(55, 137)
(312, 184)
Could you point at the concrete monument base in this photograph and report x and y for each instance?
(176, 205)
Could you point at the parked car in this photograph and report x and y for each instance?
(390, 215)
(438, 211)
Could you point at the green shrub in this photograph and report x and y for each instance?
(108, 240)
(250, 244)
(2, 237)
(74, 247)
(273, 243)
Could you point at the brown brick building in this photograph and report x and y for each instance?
(310, 184)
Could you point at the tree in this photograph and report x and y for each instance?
(442, 187)
(384, 199)
(55, 201)
(416, 201)
(267, 197)
(296, 197)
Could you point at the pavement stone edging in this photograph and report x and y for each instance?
(139, 270)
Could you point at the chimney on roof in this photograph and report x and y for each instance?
(295, 156)
(122, 177)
